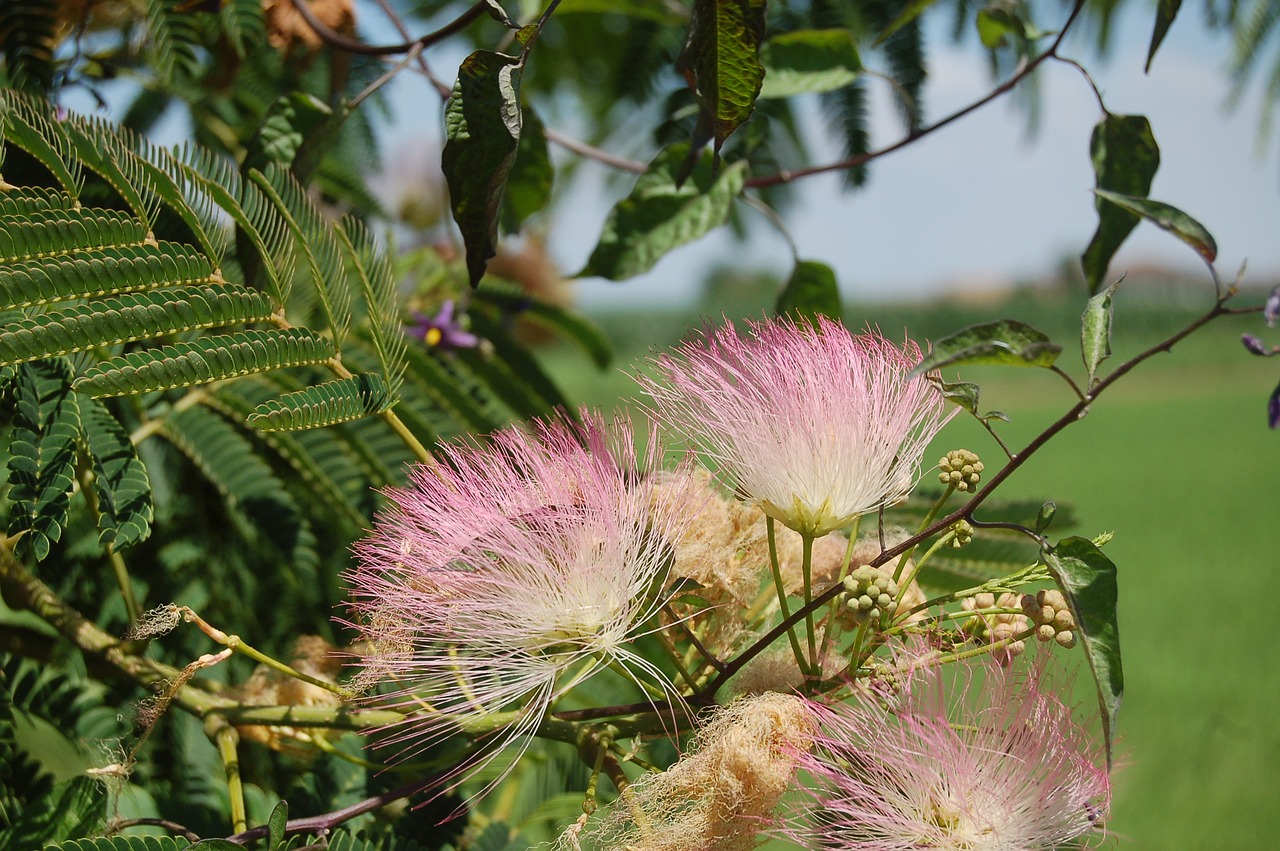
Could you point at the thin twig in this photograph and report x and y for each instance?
(337, 40)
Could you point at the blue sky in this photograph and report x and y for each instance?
(980, 204)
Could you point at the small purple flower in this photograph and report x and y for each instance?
(1273, 408)
(1271, 310)
(443, 330)
(1256, 346)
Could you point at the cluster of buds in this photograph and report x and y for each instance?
(1049, 611)
(869, 594)
(961, 469)
(963, 534)
(990, 627)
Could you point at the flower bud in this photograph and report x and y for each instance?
(960, 469)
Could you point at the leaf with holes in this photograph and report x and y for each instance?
(721, 63)
(482, 130)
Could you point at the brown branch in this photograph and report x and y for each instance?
(861, 159)
(338, 41)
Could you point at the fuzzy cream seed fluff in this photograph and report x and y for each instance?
(720, 796)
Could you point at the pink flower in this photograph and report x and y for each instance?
(996, 765)
(815, 424)
(507, 574)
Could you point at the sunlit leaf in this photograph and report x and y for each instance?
(1006, 341)
(807, 61)
(1125, 159)
(721, 62)
(1167, 217)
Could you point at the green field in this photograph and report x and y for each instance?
(1178, 461)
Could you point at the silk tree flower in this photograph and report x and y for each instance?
(999, 765)
(815, 424)
(508, 573)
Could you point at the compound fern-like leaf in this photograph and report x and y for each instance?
(46, 425)
(120, 480)
(29, 127)
(55, 232)
(34, 199)
(130, 317)
(123, 843)
(93, 274)
(212, 358)
(231, 464)
(325, 404)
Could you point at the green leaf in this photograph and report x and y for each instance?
(58, 232)
(1006, 341)
(120, 480)
(806, 61)
(289, 121)
(660, 214)
(142, 843)
(1001, 20)
(1125, 159)
(213, 358)
(913, 9)
(509, 372)
(1166, 11)
(27, 124)
(529, 183)
(1167, 217)
(93, 274)
(1045, 516)
(42, 454)
(73, 809)
(33, 199)
(482, 130)
(514, 301)
(275, 826)
(369, 265)
(327, 404)
(810, 292)
(1088, 579)
(130, 317)
(1095, 330)
(660, 13)
(231, 464)
(721, 61)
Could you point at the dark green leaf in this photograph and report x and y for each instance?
(1166, 11)
(913, 10)
(1095, 330)
(482, 128)
(661, 13)
(42, 454)
(1088, 579)
(143, 843)
(1125, 158)
(529, 184)
(1045, 516)
(216, 845)
(805, 61)
(1167, 217)
(201, 361)
(1006, 341)
(119, 481)
(721, 62)
(275, 826)
(963, 394)
(1001, 20)
(333, 402)
(810, 292)
(285, 129)
(659, 215)
(74, 809)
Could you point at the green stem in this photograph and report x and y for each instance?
(806, 569)
(227, 740)
(934, 510)
(240, 646)
(780, 587)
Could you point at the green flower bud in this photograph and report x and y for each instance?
(960, 468)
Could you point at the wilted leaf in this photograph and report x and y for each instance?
(482, 126)
(721, 62)
(1095, 330)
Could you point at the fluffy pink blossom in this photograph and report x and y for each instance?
(508, 573)
(816, 424)
(997, 764)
